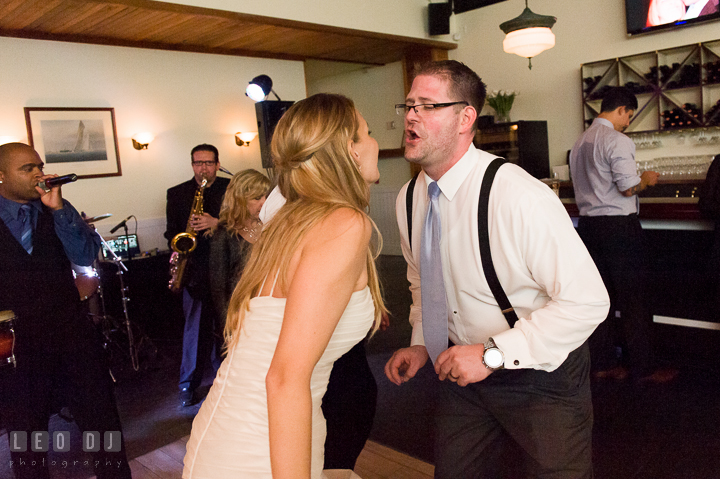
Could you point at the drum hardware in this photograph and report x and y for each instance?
(7, 338)
(109, 325)
(93, 219)
(87, 281)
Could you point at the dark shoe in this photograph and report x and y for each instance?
(661, 376)
(618, 373)
(188, 397)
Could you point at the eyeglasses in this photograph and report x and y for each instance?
(204, 163)
(425, 109)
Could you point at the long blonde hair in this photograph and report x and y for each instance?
(244, 186)
(317, 175)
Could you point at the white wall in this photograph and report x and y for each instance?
(395, 17)
(184, 98)
(586, 31)
(375, 91)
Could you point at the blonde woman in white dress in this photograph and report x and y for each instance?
(308, 294)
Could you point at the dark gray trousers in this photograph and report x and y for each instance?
(617, 247)
(548, 415)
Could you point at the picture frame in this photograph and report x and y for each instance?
(75, 140)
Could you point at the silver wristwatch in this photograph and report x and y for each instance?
(492, 357)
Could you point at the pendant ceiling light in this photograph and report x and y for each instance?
(528, 34)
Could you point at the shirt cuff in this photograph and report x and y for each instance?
(62, 216)
(514, 347)
(417, 338)
(626, 184)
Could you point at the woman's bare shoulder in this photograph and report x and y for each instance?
(342, 224)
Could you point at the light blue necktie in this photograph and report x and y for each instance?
(432, 286)
(26, 233)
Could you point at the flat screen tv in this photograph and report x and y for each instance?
(645, 16)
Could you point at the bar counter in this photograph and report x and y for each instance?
(657, 212)
(682, 294)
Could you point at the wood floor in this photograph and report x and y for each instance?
(375, 462)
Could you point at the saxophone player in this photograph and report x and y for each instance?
(200, 342)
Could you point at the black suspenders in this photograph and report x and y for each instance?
(483, 237)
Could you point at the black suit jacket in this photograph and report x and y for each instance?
(179, 202)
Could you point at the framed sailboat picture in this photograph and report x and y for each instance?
(75, 140)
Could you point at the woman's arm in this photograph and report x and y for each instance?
(331, 265)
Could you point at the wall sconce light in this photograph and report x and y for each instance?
(141, 141)
(260, 87)
(244, 139)
(528, 34)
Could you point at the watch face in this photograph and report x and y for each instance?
(493, 358)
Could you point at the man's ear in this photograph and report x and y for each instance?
(468, 118)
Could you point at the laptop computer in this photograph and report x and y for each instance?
(123, 246)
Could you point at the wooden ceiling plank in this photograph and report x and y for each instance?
(150, 24)
(78, 20)
(138, 22)
(9, 6)
(280, 22)
(87, 21)
(136, 25)
(177, 32)
(26, 13)
(248, 35)
(114, 22)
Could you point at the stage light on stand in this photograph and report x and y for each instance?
(528, 34)
(260, 87)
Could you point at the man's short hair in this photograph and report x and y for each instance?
(7, 149)
(618, 96)
(205, 147)
(465, 84)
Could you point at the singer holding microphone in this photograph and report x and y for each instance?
(57, 348)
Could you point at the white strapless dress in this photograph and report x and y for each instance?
(229, 437)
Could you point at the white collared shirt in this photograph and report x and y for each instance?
(542, 264)
(273, 203)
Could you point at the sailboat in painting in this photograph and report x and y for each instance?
(80, 140)
(83, 140)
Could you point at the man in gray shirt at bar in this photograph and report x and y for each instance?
(606, 183)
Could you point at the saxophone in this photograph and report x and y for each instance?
(185, 243)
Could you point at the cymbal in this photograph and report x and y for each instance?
(93, 219)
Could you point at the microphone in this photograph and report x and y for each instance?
(120, 225)
(60, 180)
(225, 170)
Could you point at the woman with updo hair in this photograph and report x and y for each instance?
(237, 230)
(309, 293)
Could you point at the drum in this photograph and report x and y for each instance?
(87, 281)
(7, 338)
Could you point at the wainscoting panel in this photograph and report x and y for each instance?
(382, 211)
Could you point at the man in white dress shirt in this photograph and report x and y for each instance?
(538, 393)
